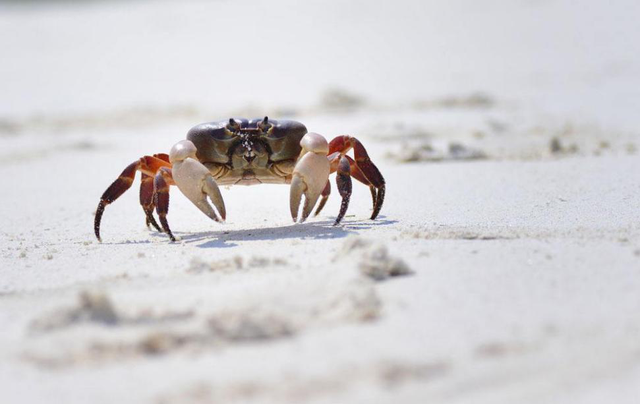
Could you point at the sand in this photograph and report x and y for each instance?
(504, 266)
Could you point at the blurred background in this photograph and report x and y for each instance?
(64, 58)
(524, 285)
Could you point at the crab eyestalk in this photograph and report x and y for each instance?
(264, 126)
(233, 126)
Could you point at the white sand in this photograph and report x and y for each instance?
(525, 263)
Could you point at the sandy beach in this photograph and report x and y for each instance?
(504, 266)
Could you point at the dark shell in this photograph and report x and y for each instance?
(216, 140)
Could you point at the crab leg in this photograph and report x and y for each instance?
(372, 173)
(147, 165)
(345, 167)
(325, 195)
(343, 181)
(366, 171)
(147, 200)
(195, 181)
(310, 175)
(375, 192)
(161, 184)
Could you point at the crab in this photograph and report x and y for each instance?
(248, 152)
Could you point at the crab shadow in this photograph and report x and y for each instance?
(314, 230)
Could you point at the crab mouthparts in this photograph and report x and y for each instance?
(249, 156)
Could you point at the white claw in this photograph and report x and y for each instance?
(309, 175)
(195, 180)
(211, 189)
(295, 195)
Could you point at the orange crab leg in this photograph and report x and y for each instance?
(147, 200)
(148, 165)
(146, 195)
(151, 164)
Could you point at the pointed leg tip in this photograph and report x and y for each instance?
(151, 221)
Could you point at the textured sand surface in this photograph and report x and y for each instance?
(504, 267)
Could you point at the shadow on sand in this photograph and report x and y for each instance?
(313, 230)
(310, 230)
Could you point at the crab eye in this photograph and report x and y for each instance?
(233, 126)
(265, 125)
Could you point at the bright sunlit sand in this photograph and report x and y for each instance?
(504, 266)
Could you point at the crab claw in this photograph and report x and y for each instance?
(309, 175)
(195, 180)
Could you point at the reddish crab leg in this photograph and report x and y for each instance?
(343, 181)
(147, 200)
(375, 192)
(146, 195)
(345, 168)
(372, 173)
(325, 195)
(362, 168)
(147, 165)
(161, 184)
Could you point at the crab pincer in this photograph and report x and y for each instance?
(195, 181)
(310, 175)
